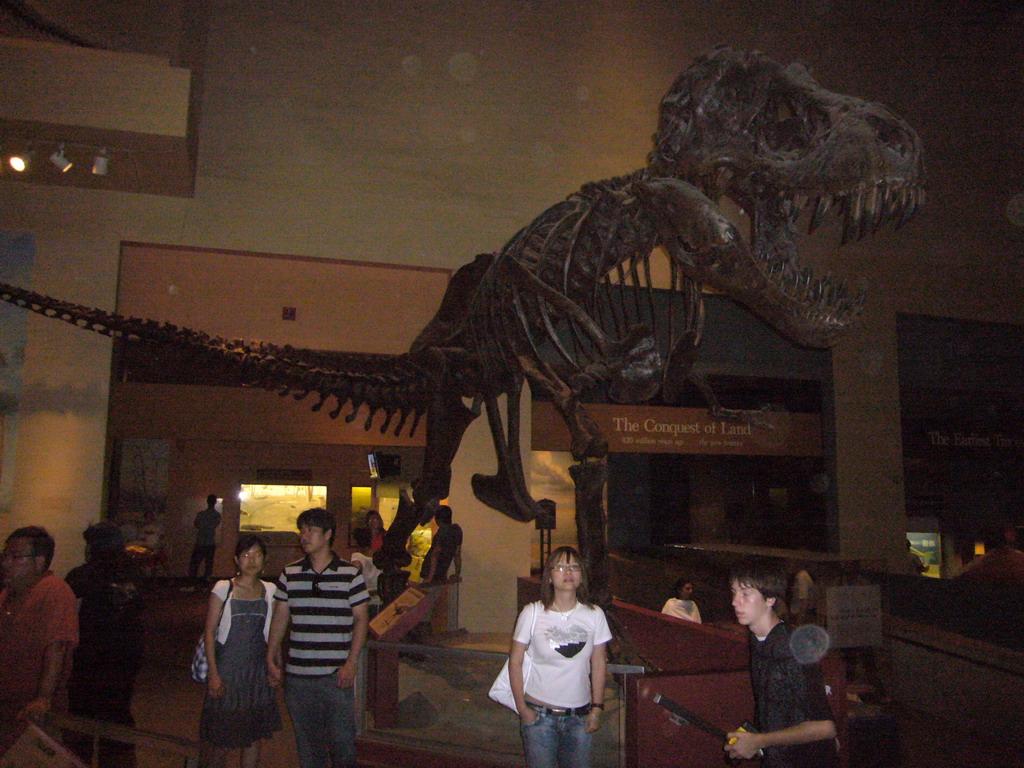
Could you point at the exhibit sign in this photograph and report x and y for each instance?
(854, 615)
(930, 435)
(653, 429)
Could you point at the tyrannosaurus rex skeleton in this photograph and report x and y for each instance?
(568, 304)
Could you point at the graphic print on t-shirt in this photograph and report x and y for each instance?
(566, 640)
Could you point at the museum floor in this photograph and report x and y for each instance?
(167, 701)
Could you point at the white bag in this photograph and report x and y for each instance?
(501, 689)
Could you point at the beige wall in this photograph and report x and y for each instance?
(495, 549)
(340, 305)
(421, 134)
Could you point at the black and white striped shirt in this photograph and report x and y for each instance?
(320, 605)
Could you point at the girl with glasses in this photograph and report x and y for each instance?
(559, 688)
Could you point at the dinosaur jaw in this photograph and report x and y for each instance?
(815, 311)
(773, 140)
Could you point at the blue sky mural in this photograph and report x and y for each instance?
(16, 253)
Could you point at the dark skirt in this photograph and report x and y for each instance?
(248, 710)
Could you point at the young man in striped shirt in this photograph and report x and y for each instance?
(325, 600)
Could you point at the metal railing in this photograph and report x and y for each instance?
(175, 749)
(436, 698)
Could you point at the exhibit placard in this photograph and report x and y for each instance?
(854, 615)
(656, 429)
(402, 614)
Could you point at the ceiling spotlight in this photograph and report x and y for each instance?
(101, 163)
(20, 162)
(60, 160)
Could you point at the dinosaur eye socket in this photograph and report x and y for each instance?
(787, 124)
(892, 135)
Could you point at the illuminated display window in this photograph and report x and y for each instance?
(276, 507)
(927, 548)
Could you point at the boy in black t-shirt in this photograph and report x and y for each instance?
(794, 720)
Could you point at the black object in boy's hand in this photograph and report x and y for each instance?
(685, 717)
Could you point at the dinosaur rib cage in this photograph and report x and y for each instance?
(593, 249)
(395, 384)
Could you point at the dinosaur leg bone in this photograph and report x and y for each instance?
(447, 420)
(506, 491)
(587, 440)
(590, 478)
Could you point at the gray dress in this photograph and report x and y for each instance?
(248, 710)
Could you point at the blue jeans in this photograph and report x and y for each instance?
(323, 718)
(556, 742)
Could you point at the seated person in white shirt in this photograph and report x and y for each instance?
(682, 606)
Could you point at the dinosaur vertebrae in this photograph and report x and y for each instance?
(395, 384)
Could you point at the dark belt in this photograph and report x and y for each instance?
(556, 712)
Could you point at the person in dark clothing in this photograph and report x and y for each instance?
(445, 549)
(110, 647)
(794, 721)
(205, 548)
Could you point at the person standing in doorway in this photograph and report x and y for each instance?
(206, 523)
(324, 599)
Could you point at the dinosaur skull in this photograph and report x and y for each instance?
(769, 137)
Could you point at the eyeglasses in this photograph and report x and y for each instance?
(13, 556)
(567, 568)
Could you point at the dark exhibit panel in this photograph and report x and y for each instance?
(690, 496)
(962, 412)
(774, 501)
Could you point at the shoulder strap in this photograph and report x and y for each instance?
(223, 605)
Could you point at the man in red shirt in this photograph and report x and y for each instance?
(38, 631)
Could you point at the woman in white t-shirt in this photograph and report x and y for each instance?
(561, 703)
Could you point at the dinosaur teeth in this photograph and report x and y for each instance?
(821, 206)
(871, 204)
(882, 209)
(847, 215)
(913, 196)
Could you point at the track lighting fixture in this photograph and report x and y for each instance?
(60, 160)
(22, 161)
(101, 163)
